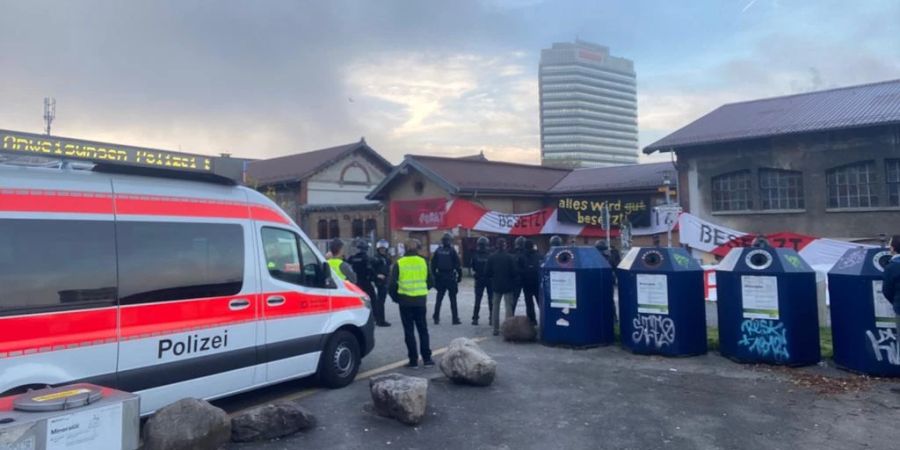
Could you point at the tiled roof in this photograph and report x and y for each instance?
(476, 175)
(618, 178)
(848, 107)
(302, 165)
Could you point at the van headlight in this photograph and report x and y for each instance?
(367, 301)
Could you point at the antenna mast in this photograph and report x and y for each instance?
(49, 113)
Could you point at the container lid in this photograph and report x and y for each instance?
(58, 398)
(659, 259)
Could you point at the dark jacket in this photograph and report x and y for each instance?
(381, 265)
(891, 284)
(479, 264)
(362, 266)
(529, 268)
(445, 263)
(501, 270)
(405, 300)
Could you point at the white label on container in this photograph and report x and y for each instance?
(93, 429)
(652, 293)
(562, 290)
(760, 296)
(884, 311)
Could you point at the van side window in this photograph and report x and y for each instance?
(55, 265)
(290, 259)
(178, 261)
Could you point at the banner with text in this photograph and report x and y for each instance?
(425, 214)
(589, 211)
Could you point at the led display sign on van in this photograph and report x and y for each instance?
(18, 143)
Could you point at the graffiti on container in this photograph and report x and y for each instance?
(851, 259)
(885, 346)
(681, 260)
(794, 260)
(652, 329)
(765, 338)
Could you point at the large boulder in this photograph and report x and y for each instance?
(269, 422)
(188, 424)
(466, 363)
(518, 329)
(399, 397)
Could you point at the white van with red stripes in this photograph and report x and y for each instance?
(168, 288)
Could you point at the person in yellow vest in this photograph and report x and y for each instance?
(408, 286)
(343, 270)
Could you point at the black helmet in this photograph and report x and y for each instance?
(519, 243)
(556, 241)
(482, 243)
(446, 239)
(601, 245)
(336, 245)
(362, 245)
(529, 244)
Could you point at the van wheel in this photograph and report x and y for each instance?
(339, 362)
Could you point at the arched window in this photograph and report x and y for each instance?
(852, 186)
(354, 173)
(334, 229)
(357, 228)
(323, 229)
(780, 189)
(731, 191)
(371, 227)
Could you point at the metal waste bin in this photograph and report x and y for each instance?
(577, 308)
(862, 320)
(767, 307)
(76, 416)
(662, 308)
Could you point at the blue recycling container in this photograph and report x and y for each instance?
(862, 320)
(767, 307)
(662, 308)
(577, 308)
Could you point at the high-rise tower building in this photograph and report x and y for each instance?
(588, 106)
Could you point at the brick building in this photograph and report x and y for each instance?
(824, 163)
(325, 190)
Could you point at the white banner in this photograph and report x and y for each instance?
(702, 235)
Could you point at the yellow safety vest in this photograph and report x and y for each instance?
(412, 280)
(335, 264)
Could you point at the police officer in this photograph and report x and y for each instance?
(408, 284)
(363, 264)
(530, 277)
(518, 249)
(343, 270)
(556, 241)
(482, 283)
(447, 272)
(381, 264)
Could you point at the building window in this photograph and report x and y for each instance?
(323, 229)
(731, 191)
(371, 227)
(852, 186)
(892, 177)
(334, 229)
(780, 189)
(357, 227)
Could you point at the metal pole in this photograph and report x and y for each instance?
(606, 222)
(667, 182)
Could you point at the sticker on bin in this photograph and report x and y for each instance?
(61, 394)
(760, 297)
(884, 311)
(563, 290)
(96, 429)
(652, 293)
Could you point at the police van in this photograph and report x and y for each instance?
(167, 287)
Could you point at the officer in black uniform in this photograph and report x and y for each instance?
(447, 272)
(482, 283)
(556, 241)
(530, 276)
(365, 276)
(381, 264)
(518, 249)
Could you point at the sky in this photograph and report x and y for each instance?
(450, 78)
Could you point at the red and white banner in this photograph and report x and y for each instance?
(711, 238)
(425, 214)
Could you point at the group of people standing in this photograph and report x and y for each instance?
(506, 275)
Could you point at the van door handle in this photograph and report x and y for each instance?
(275, 301)
(238, 304)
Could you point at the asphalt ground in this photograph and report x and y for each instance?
(549, 398)
(390, 349)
